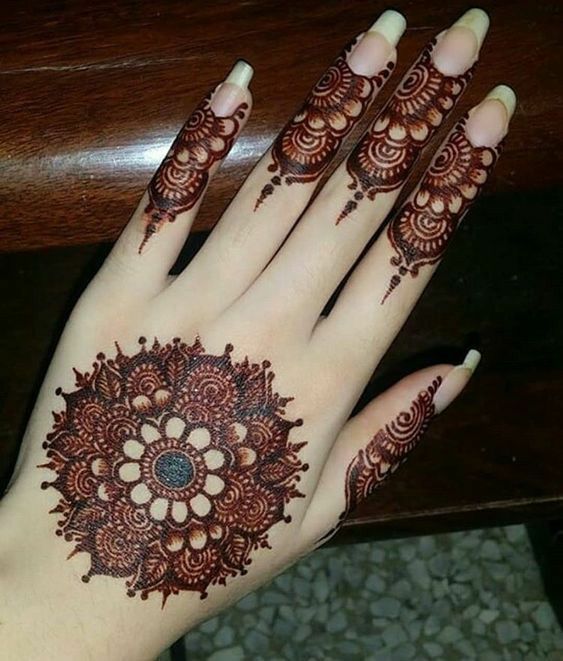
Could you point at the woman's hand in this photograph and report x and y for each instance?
(192, 439)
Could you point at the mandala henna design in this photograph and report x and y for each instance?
(422, 229)
(182, 177)
(307, 144)
(386, 451)
(382, 160)
(172, 466)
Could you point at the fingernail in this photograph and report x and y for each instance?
(232, 91)
(488, 122)
(458, 48)
(455, 381)
(377, 46)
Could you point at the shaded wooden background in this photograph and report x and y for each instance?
(92, 94)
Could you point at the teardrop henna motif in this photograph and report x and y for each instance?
(305, 147)
(181, 179)
(163, 478)
(424, 226)
(384, 157)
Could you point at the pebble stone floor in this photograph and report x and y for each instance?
(469, 595)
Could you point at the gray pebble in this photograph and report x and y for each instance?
(404, 652)
(386, 607)
(490, 550)
(419, 574)
(302, 632)
(250, 602)
(271, 598)
(488, 616)
(337, 622)
(394, 635)
(256, 642)
(235, 653)
(320, 587)
(507, 631)
(432, 626)
(434, 650)
(449, 634)
(407, 552)
(375, 583)
(543, 616)
(427, 546)
(210, 626)
(401, 589)
(225, 636)
(439, 565)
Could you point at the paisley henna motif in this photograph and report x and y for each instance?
(386, 451)
(182, 177)
(383, 158)
(172, 466)
(307, 144)
(422, 229)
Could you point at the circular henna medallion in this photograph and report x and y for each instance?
(172, 466)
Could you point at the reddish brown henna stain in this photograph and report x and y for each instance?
(386, 451)
(382, 160)
(182, 177)
(307, 144)
(172, 466)
(424, 226)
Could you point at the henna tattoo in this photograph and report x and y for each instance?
(172, 466)
(386, 451)
(182, 177)
(382, 160)
(422, 229)
(307, 144)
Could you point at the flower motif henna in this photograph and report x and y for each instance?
(307, 144)
(182, 177)
(172, 466)
(422, 229)
(382, 160)
(386, 451)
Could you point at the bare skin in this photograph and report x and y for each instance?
(193, 438)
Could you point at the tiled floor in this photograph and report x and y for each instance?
(471, 595)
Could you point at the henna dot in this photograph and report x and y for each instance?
(358, 196)
(158, 509)
(305, 467)
(86, 578)
(142, 339)
(130, 593)
(129, 472)
(175, 427)
(197, 538)
(45, 485)
(58, 391)
(140, 494)
(101, 356)
(59, 533)
(179, 511)
(298, 422)
(228, 348)
(200, 504)
(149, 433)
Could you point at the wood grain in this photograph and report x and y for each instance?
(92, 94)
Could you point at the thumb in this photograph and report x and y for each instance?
(375, 442)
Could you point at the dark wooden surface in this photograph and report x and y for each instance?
(92, 94)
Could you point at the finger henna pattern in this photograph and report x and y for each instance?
(382, 160)
(389, 448)
(423, 227)
(386, 451)
(307, 144)
(172, 466)
(182, 177)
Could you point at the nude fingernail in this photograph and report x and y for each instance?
(377, 46)
(458, 48)
(488, 122)
(455, 381)
(232, 91)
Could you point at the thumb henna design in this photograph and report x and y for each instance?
(386, 451)
(172, 466)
